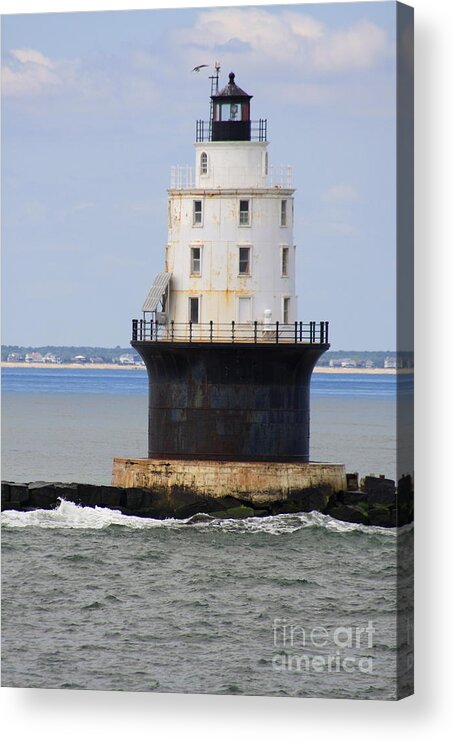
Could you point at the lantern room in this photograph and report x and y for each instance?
(231, 114)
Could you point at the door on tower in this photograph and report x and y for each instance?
(194, 310)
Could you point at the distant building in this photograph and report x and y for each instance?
(51, 358)
(390, 362)
(14, 358)
(126, 359)
(79, 359)
(34, 357)
(348, 363)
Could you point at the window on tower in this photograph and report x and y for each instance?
(244, 261)
(285, 261)
(284, 213)
(244, 213)
(197, 213)
(230, 112)
(196, 261)
(286, 309)
(204, 164)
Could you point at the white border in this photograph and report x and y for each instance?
(76, 715)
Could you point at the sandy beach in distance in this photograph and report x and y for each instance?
(117, 367)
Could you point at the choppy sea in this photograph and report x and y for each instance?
(299, 605)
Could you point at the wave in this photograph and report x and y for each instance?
(68, 515)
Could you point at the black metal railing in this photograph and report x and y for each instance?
(312, 333)
(257, 130)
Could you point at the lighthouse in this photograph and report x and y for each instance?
(229, 360)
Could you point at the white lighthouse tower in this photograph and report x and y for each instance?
(229, 362)
(230, 248)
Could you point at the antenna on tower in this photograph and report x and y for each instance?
(215, 78)
(214, 88)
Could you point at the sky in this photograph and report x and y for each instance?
(97, 107)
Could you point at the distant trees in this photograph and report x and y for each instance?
(67, 353)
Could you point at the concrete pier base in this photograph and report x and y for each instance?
(255, 482)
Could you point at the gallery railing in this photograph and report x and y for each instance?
(257, 130)
(316, 333)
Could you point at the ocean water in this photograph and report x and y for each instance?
(298, 605)
(67, 425)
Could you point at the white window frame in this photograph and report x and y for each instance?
(241, 213)
(201, 212)
(249, 248)
(284, 212)
(204, 164)
(193, 272)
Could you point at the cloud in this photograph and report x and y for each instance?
(358, 47)
(29, 73)
(293, 41)
(299, 58)
(235, 45)
(31, 55)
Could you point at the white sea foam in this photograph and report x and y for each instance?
(69, 515)
(72, 516)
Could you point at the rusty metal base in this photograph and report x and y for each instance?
(237, 402)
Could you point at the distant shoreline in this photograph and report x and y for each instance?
(119, 367)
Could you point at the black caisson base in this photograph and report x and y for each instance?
(229, 401)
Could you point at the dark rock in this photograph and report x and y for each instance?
(89, 494)
(14, 501)
(42, 495)
(385, 517)
(242, 511)
(306, 500)
(6, 490)
(352, 481)
(99, 495)
(405, 487)
(372, 484)
(225, 503)
(353, 498)
(384, 496)
(15, 496)
(349, 514)
(146, 503)
(405, 512)
(207, 505)
(134, 499)
(18, 490)
(68, 492)
(111, 497)
(405, 505)
(376, 503)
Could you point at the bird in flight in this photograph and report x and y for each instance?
(199, 67)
